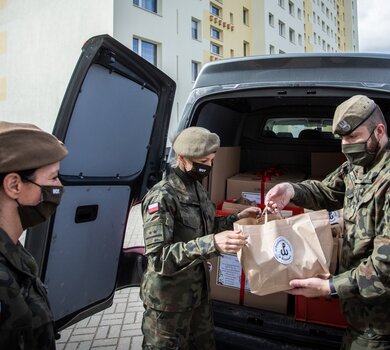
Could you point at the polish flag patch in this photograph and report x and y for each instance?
(153, 208)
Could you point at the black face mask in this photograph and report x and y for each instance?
(199, 171)
(358, 153)
(31, 215)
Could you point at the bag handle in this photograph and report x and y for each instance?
(264, 213)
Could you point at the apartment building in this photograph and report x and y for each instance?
(39, 45)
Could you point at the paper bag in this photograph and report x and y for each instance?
(281, 250)
(337, 227)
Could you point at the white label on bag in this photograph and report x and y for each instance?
(283, 251)
(333, 217)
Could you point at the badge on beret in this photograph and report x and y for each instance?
(153, 208)
(344, 125)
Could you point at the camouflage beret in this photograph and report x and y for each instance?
(25, 146)
(352, 113)
(195, 142)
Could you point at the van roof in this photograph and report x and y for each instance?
(320, 69)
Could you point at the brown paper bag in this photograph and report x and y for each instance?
(281, 250)
(337, 227)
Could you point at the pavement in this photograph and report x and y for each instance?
(116, 328)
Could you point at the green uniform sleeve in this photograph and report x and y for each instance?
(167, 256)
(371, 278)
(224, 223)
(327, 194)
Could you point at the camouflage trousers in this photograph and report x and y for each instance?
(190, 330)
(353, 340)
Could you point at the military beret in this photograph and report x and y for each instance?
(195, 142)
(352, 113)
(25, 146)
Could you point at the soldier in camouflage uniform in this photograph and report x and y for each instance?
(181, 233)
(362, 187)
(29, 193)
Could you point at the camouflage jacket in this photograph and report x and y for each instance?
(26, 321)
(179, 223)
(363, 282)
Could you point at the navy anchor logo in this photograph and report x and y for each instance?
(284, 251)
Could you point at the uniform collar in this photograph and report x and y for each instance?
(17, 255)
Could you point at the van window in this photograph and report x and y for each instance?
(299, 128)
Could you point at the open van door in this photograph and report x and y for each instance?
(114, 121)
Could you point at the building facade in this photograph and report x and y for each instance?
(39, 45)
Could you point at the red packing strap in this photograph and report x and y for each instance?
(262, 192)
(242, 288)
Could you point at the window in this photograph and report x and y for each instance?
(291, 8)
(146, 50)
(150, 5)
(245, 16)
(281, 3)
(315, 128)
(281, 52)
(271, 19)
(299, 14)
(216, 11)
(215, 33)
(231, 53)
(271, 49)
(194, 70)
(231, 18)
(314, 17)
(299, 39)
(215, 49)
(246, 48)
(282, 29)
(291, 35)
(195, 29)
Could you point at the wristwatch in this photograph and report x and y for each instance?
(333, 291)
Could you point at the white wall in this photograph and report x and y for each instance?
(44, 40)
(171, 30)
(272, 33)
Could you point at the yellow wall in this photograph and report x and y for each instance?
(3, 3)
(309, 33)
(341, 26)
(233, 30)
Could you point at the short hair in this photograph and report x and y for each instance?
(376, 118)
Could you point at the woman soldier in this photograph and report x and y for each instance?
(181, 232)
(30, 191)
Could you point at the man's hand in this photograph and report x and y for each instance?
(310, 287)
(229, 242)
(252, 212)
(279, 196)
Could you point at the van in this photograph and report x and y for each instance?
(276, 110)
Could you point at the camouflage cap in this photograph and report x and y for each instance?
(195, 142)
(25, 146)
(352, 113)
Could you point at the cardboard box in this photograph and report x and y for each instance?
(323, 163)
(319, 310)
(242, 183)
(250, 182)
(225, 283)
(226, 164)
